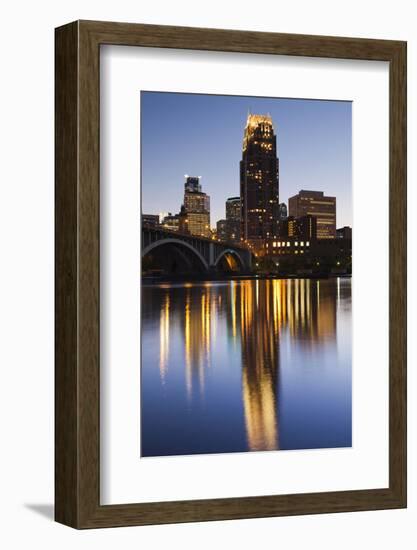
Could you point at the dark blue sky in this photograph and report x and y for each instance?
(201, 135)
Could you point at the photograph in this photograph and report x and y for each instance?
(246, 273)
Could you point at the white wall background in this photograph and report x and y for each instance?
(26, 289)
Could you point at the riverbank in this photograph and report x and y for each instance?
(236, 277)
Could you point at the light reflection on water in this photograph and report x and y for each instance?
(245, 365)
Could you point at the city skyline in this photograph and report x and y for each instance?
(201, 135)
(246, 331)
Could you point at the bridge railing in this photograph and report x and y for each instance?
(182, 234)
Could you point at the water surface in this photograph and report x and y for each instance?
(245, 365)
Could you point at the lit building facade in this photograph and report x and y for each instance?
(171, 222)
(196, 201)
(221, 230)
(316, 204)
(195, 212)
(198, 224)
(259, 182)
(303, 228)
(306, 227)
(233, 208)
(289, 245)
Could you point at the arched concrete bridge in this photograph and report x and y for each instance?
(194, 253)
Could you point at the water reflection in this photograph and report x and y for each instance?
(242, 362)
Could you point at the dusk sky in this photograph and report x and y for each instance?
(201, 135)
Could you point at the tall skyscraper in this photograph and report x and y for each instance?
(192, 183)
(233, 207)
(195, 215)
(316, 204)
(259, 182)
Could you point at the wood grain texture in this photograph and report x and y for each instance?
(66, 237)
(78, 285)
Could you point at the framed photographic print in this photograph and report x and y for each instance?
(230, 274)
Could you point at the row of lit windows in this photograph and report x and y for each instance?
(314, 201)
(282, 244)
(285, 252)
(317, 214)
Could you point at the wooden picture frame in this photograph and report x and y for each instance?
(77, 374)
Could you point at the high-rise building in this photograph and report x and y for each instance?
(221, 230)
(196, 209)
(196, 201)
(192, 183)
(198, 223)
(316, 204)
(259, 177)
(233, 206)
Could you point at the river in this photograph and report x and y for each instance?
(245, 365)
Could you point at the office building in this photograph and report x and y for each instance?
(195, 212)
(316, 204)
(196, 201)
(221, 230)
(150, 220)
(233, 207)
(304, 228)
(259, 177)
(171, 222)
(192, 184)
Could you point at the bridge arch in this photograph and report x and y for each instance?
(179, 244)
(234, 253)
